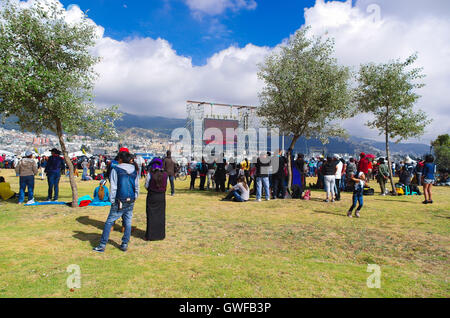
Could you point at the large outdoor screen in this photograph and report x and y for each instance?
(223, 125)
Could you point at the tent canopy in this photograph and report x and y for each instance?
(7, 153)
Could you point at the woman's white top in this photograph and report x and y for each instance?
(245, 193)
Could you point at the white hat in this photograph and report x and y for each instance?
(408, 160)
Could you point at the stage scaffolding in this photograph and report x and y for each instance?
(199, 111)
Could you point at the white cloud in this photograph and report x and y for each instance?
(216, 7)
(146, 76)
(403, 28)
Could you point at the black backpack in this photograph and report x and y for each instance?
(296, 192)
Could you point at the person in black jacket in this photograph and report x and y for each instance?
(279, 188)
(203, 172)
(300, 165)
(263, 165)
(220, 176)
(53, 170)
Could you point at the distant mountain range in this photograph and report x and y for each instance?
(160, 125)
(148, 126)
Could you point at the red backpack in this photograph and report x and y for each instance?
(307, 195)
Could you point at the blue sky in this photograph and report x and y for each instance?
(197, 37)
(157, 54)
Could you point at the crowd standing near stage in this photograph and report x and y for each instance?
(238, 180)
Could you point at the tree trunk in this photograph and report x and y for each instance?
(390, 164)
(291, 149)
(73, 183)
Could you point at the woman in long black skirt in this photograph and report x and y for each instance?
(156, 185)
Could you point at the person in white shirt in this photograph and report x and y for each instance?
(338, 177)
(240, 192)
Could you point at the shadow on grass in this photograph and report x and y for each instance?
(86, 220)
(209, 193)
(396, 201)
(331, 213)
(92, 238)
(442, 217)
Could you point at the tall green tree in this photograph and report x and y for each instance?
(389, 92)
(442, 151)
(47, 76)
(306, 91)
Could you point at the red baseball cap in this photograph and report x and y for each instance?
(362, 154)
(124, 150)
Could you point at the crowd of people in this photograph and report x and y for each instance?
(267, 175)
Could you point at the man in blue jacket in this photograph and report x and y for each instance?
(53, 170)
(124, 192)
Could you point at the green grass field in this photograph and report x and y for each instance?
(277, 249)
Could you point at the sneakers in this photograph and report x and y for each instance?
(99, 249)
(123, 247)
(425, 202)
(349, 214)
(31, 202)
(357, 214)
(327, 201)
(258, 200)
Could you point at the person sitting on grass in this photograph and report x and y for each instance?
(444, 180)
(240, 192)
(405, 176)
(358, 194)
(101, 193)
(5, 190)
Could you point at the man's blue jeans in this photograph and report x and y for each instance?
(172, 185)
(26, 182)
(53, 184)
(259, 182)
(126, 213)
(84, 175)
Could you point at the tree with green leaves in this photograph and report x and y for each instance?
(47, 76)
(306, 91)
(441, 148)
(388, 92)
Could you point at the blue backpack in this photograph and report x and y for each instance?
(126, 185)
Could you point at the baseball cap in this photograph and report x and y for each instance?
(28, 153)
(123, 149)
